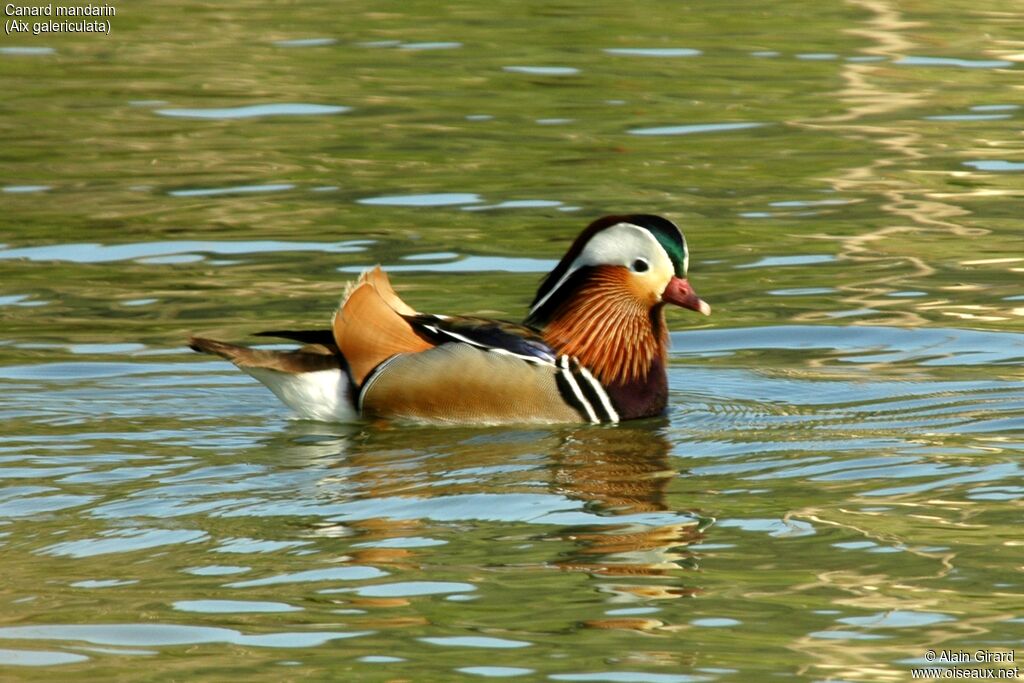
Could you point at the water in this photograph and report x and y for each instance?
(834, 491)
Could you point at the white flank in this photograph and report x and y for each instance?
(321, 395)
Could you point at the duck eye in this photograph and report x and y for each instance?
(640, 266)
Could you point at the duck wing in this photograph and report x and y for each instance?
(484, 333)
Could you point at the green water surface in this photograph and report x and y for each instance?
(834, 491)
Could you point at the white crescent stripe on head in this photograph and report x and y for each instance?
(686, 256)
(617, 245)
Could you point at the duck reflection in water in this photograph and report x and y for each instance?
(624, 472)
(600, 494)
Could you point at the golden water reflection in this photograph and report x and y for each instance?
(883, 111)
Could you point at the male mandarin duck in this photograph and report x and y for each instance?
(593, 347)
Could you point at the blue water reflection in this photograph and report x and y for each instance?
(255, 111)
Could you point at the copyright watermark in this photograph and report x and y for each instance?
(962, 664)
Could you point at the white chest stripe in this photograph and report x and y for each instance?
(606, 402)
(563, 363)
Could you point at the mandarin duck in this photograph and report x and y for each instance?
(593, 347)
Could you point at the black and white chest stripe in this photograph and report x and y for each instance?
(581, 390)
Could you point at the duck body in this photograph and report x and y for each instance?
(593, 347)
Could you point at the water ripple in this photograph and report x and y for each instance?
(346, 573)
(255, 111)
(406, 589)
(38, 658)
(105, 253)
(653, 51)
(233, 606)
(124, 540)
(24, 189)
(238, 189)
(169, 634)
(437, 199)
(629, 677)
(694, 128)
(950, 61)
(542, 70)
(467, 264)
(968, 117)
(305, 42)
(495, 671)
(867, 344)
(801, 260)
(27, 51)
(897, 619)
(435, 45)
(476, 641)
(997, 165)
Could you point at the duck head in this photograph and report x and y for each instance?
(603, 302)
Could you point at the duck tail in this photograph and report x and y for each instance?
(312, 381)
(369, 326)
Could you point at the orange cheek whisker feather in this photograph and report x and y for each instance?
(608, 327)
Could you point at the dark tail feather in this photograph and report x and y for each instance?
(322, 337)
(291, 362)
(203, 345)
